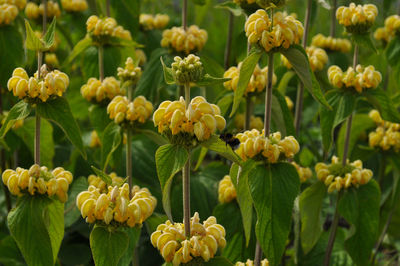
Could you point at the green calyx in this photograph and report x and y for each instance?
(338, 169)
(187, 70)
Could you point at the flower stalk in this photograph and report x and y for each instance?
(184, 15)
(228, 46)
(333, 19)
(332, 235)
(129, 146)
(101, 62)
(186, 178)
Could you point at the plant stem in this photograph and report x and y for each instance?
(44, 21)
(129, 147)
(101, 62)
(186, 196)
(37, 139)
(249, 107)
(333, 18)
(228, 46)
(268, 96)
(332, 235)
(382, 235)
(108, 12)
(258, 254)
(184, 15)
(187, 94)
(300, 90)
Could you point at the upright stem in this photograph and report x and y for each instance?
(229, 41)
(108, 12)
(300, 90)
(268, 96)
(332, 235)
(44, 21)
(383, 233)
(129, 146)
(186, 179)
(187, 94)
(101, 62)
(249, 107)
(333, 18)
(258, 255)
(184, 15)
(37, 139)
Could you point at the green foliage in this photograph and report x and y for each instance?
(219, 146)
(111, 140)
(19, 111)
(106, 178)
(12, 52)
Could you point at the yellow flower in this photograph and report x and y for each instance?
(150, 22)
(32, 10)
(255, 122)
(316, 56)
(97, 91)
(332, 44)
(258, 80)
(249, 262)
(122, 110)
(226, 190)
(18, 3)
(51, 59)
(289, 103)
(106, 27)
(94, 140)
(204, 240)
(74, 5)
(304, 172)
(7, 13)
(130, 73)
(189, 41)
(357, 18)
(387, 134)
(244, 1)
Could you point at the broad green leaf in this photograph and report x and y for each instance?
(246, 71)
(59, 112)
(208, 80)
(311, 201)
(106, 178)
(170, 159)
(133, 235)
(232, 7)
(282, 116)
(273, 188)
(79, 48)
(108, 245)
(110, 140)
(364, 40)
(393, 51)
(154, 136)
(99, 118)
(234, 248)
(343, 104)
(50, 33)
(299, 60)
(224, 103)
(360, 207)
(32, 42)
(381, 101)
(31, 221)
(202, 155)
(127, 12)
(19, 111)
(220, 147)
(9, 252)
(168, 75)
(71, 212)
(361, 122)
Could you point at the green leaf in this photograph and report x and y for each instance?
(170, 159)
(19, 111)
(37, 219)
(32, 42)
(218, 261)
(202, 155)
(381, 101)
(246, 71)
(220, 147)
(299, 60)
(232, 7)
(208, 80)
(79, 48)
(71, 212)
(364, 40)
(199, 2)
(134, 235)
(50, 33)
(360, 207)
(273, 189)
(311, 201)
(284, 82)
(168, 75)
(106, 178)
(110, 140)
(108, 245)
(154, 136)
(393, 51)
(225, 102)
(343, 104)
(281, 114)
(126, 12)
(99, 118)
(59, 111)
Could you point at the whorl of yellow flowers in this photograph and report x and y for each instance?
(285, 32)
(49, 84)
(253, 144)
(387, 33)
(106, 27)
(130, 73)
(226, 190)
(150, 22)
(337, 177)
(305, 173)
(205, 239)
(249, 262)
(330, 43)
(124, 111)
(115, 205)
(96, 91)
(181, 41)
(316, 56)
(198, 121)
(357, 18)
(101, 185)
(33, 11)
(74, 5)
(360, 79)
(7, 13)
(255, 122)
(258, 80)
(38, 180)
(18, 3)
(387, 134)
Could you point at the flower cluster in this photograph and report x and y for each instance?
(284, 31)
(198, 121)
(116, 205)
(255, 122)
(392, 27)
(336, 177)
(7, 13)
(226, 190)
(130, 73)
(33, 11)
(106, 27)
(357, 18)
(187, 70)
(305, 173)
(170, 240)
(96, 91)
(331, 44)
(258, 80)
(316, 56)
(249, 262)
(253, 144)
(150, 22)
(20, 4)
(74, 5)
(386, 135)
(101, 185)
(360, 78)
(48, 84)
(191, 40)
(38, 180)
(124, 111)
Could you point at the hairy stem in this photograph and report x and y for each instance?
(101, 62)
(186, 196)
(184, 15)
(44, 21)
(108, 10)
(228, 46)
(268, 96)
(333, 19)
(332, 235)
(129, 148)
(37, 139)
(249, 107)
